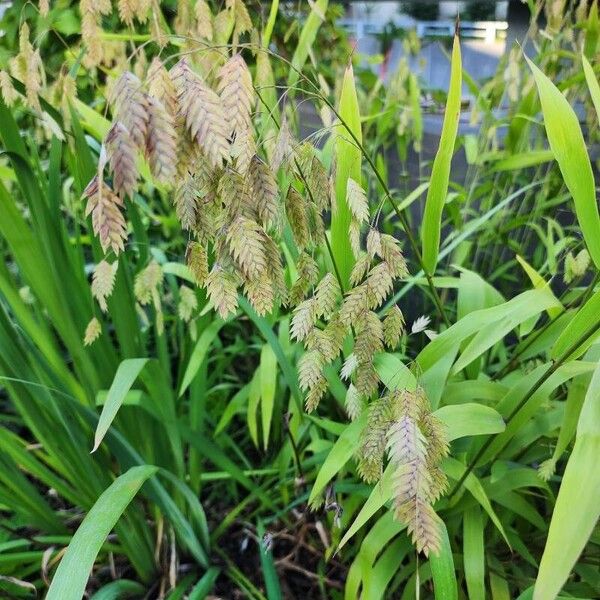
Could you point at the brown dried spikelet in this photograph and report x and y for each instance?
(161, 142)
(44, 6)
(202, 111)
(197, 261)
(222, 291)
(243, 23)
(121, 153)
(131, 107)
(237, 93)
(107, 220)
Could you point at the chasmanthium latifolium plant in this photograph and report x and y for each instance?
(193, 118)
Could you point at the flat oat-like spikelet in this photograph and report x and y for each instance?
(260, 293)
(246, 243)
(243, 148)
(186, 202)
(9, 93)
(327, 296)
(107, 220)
(92, 332)
(121, 152)
(411, 483)
(197, 261)
(203, 113)
(222, 291)
(354, 304)
(360, 269)
(369, 337)
(188, 303)
(266, 194)
(103, 281)
(204, 20)
(237, 93)
(393, 327)
(303, 320)
(373, 440)
(357, 201)
(275, 270)
(161, 87)
(296, 210)
(379, 284)
(308, 275)
(130, 107)
(161, 142)
(392, 255)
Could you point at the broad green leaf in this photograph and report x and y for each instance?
(440, 173)
(455, 469)
(383, 531)
(592, 83)
(512, 162)
(268, 384)
(394, 374)
(306, 40)
(443, 571)
(125, 376)
(582, 332)
(577, 508)
(569, 148)
(203, 588)
(466, 419)
(380, 575)
(70, 580)
(348, 161)
(518, 414)
(199, 353)
(510, 313)
(495, 330)
(117, 590)
(340, 454)
(474, 553)
(539, 283)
